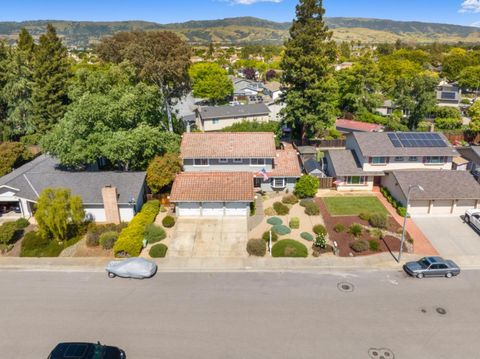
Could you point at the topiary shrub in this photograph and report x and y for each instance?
(290, 199)
(312, 209)
(319, 229)
(168, 221)
(339, 227)
(355, 229)
(281, 230)
(274, 221)
(22, 223)
(108, 239)
(359, 246)
(402, 211)
(289, 248)
(307, 236)
(305, 202)
(378, 220)
(281, 209)
(307, 186)
(294, 223)
(158, 250)
(374, 245)
(266, 236)
(256, 247)
(269, 211)
(364, 216)
(154, 234)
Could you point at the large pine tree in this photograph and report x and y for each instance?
(308, 73)
(51, 71)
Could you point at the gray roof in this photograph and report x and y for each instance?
(254, 109)
(470, 153)
(306, 150)
(44, 171)
(312, 166)
(345, 163)
(438, 184)
(189, 118)
(378, 144)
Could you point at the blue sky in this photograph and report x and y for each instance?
(465, 12)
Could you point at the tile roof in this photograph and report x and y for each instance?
(228, 145)
(219, 112)
(273, 86)
(286, 164)
(345, 163)
(213, 187)
(438, 184)
(358, 125)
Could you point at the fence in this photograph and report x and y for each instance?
(326, 182)
(322, 143)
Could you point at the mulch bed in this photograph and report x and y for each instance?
(344, 238)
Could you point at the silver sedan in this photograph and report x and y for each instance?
(138, 268)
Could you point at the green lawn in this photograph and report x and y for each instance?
(353, 206)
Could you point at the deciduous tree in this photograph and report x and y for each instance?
(210, 81)
(162, 170)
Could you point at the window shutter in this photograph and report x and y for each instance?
(387, 160)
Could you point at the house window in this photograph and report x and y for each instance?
(434, 159)
(257, 161)
(379, 160)
(223, 160)
(278, 182)
(412, 159)
(200, 162)
(215, 121)
(399, 159)
(237, 160)
(356, 180)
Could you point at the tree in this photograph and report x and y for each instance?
(250, 73)
(270, 75)
(210, 81)
(7, 232)
(51, 72)
(474, 111)
(13, 155)
(308, 73)
(455, 61)
(56, 209)
(469, 78)
(255, 126)
(162, 170)
(307, 186)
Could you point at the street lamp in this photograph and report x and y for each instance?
(405, 218)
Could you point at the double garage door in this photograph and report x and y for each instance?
(440, 207)
(212, 209)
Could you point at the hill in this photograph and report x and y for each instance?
(251, 30)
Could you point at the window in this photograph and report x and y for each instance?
(257, 161)
(412, 159)
(223, 160)
(200, 162)
(278, 182)
(237, 160)
(215, 121)
(399, 159)
(434, 159)
(378, 160)
(356, 180)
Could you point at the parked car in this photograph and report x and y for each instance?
(86, 351)
(432, 267)
(138, 268)
(472, 216)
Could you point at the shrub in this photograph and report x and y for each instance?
(378, 220)
(290, 199)
(376, 233)
(307, 236)
(321, 240)
(154, 234)
(305, 202)
(269, 211)
(281, 230)
(374, 245)
(7, 232)
(274, 221)
(319, 229)
(130, 240)
(168, 221)
(402, 211)
(364, 216)
(355, 229)
(307, 186)
(22, 223)
(158, 250)
(256, 247)
(294, 223)
(33, 240)
(359, 246)
(289, 248)
(266, 236)
(163, 209)
(312, 209)
(339, 227)
(281, 209)
(108, 239)
(94, 231)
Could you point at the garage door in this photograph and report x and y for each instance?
(463, 205)
(188, 209)
(418, 207)
(214, 209)
(441, 207)
(236, 209)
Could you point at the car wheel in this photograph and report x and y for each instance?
(420, 275)
(467, 219)
(448, 275)
(111, 275)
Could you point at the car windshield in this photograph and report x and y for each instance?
(424, 262)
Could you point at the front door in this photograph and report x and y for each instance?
(257, 182)
(377, 181)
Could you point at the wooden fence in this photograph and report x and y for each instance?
(326, 182)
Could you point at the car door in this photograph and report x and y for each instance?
(476, 221)
(435, 270)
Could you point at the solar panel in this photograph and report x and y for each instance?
(448, 95)
(394, 139)
(411, 140)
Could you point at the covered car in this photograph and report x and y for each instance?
(131, 268)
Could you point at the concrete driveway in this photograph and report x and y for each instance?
(450, 235)
(209, 237)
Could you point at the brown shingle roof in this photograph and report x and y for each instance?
(213, 187)
(228, 145)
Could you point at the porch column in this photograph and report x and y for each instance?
(430, 206)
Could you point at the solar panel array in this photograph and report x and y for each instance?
(424, 139)
(448, 95)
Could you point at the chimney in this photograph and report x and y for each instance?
(110, 204)
(432, 127)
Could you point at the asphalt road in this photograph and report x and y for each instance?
(242, 315)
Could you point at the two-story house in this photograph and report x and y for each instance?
(222, 170)
(448, 95)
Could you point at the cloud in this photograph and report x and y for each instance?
(470, 6)
(250, 2)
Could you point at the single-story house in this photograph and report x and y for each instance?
(444, 192)
(245, 87)
(273, 89)
(347, 126)
(108, 196)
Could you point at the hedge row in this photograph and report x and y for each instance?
(130, 240)
(396, 204)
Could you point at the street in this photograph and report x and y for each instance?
(243, 315)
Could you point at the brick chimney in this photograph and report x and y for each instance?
(110, 204)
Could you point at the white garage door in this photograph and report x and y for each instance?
(418, 207)
(236, 209)
(463, 205)
(188, 209)
(441, 207)
(212, 209)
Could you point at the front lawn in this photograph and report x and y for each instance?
(353, 206)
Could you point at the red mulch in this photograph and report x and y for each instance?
(344, 238)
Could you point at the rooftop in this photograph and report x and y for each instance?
(219, 112)
(346, 163)
(273, 86)
(358, 125)
(286, 164)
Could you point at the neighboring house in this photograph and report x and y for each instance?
(228, 166)
(273, 89)
(369, 155)
(347, 126)
(472, 155)
(460, 164)
(448, 95)
(108, 196)
(215, 118)
(343, 66)
(388, 107)
(245, 87)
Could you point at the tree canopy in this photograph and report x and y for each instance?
(210, 81)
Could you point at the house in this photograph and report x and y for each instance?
(388, 107)
(472, 155)
(460, 164)
(369, 155)
(343, 66)
(215, 118)
(273, 89)
(221, 171)
(347, 126)
(108, 196)
(448, 95)
(245, 87)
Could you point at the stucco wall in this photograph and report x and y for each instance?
(390, 183)
(368, 186)
(208, 125)
(405, 165)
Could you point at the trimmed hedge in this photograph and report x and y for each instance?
(290, 199)
(158, 250)
(256, 247)
(312, 209)
(154, 234)
(281, 209)
(359, 246)
(168, 221)
(281, 230)
(294, 223)
(130, 241)
(108, 239)
(396, 204)
(274, 221)
(307, 236)
(319, 229)
(289, 248)
(266, 236)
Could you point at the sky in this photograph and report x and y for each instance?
(462, 12)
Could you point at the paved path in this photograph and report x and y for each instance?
(240, 315)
